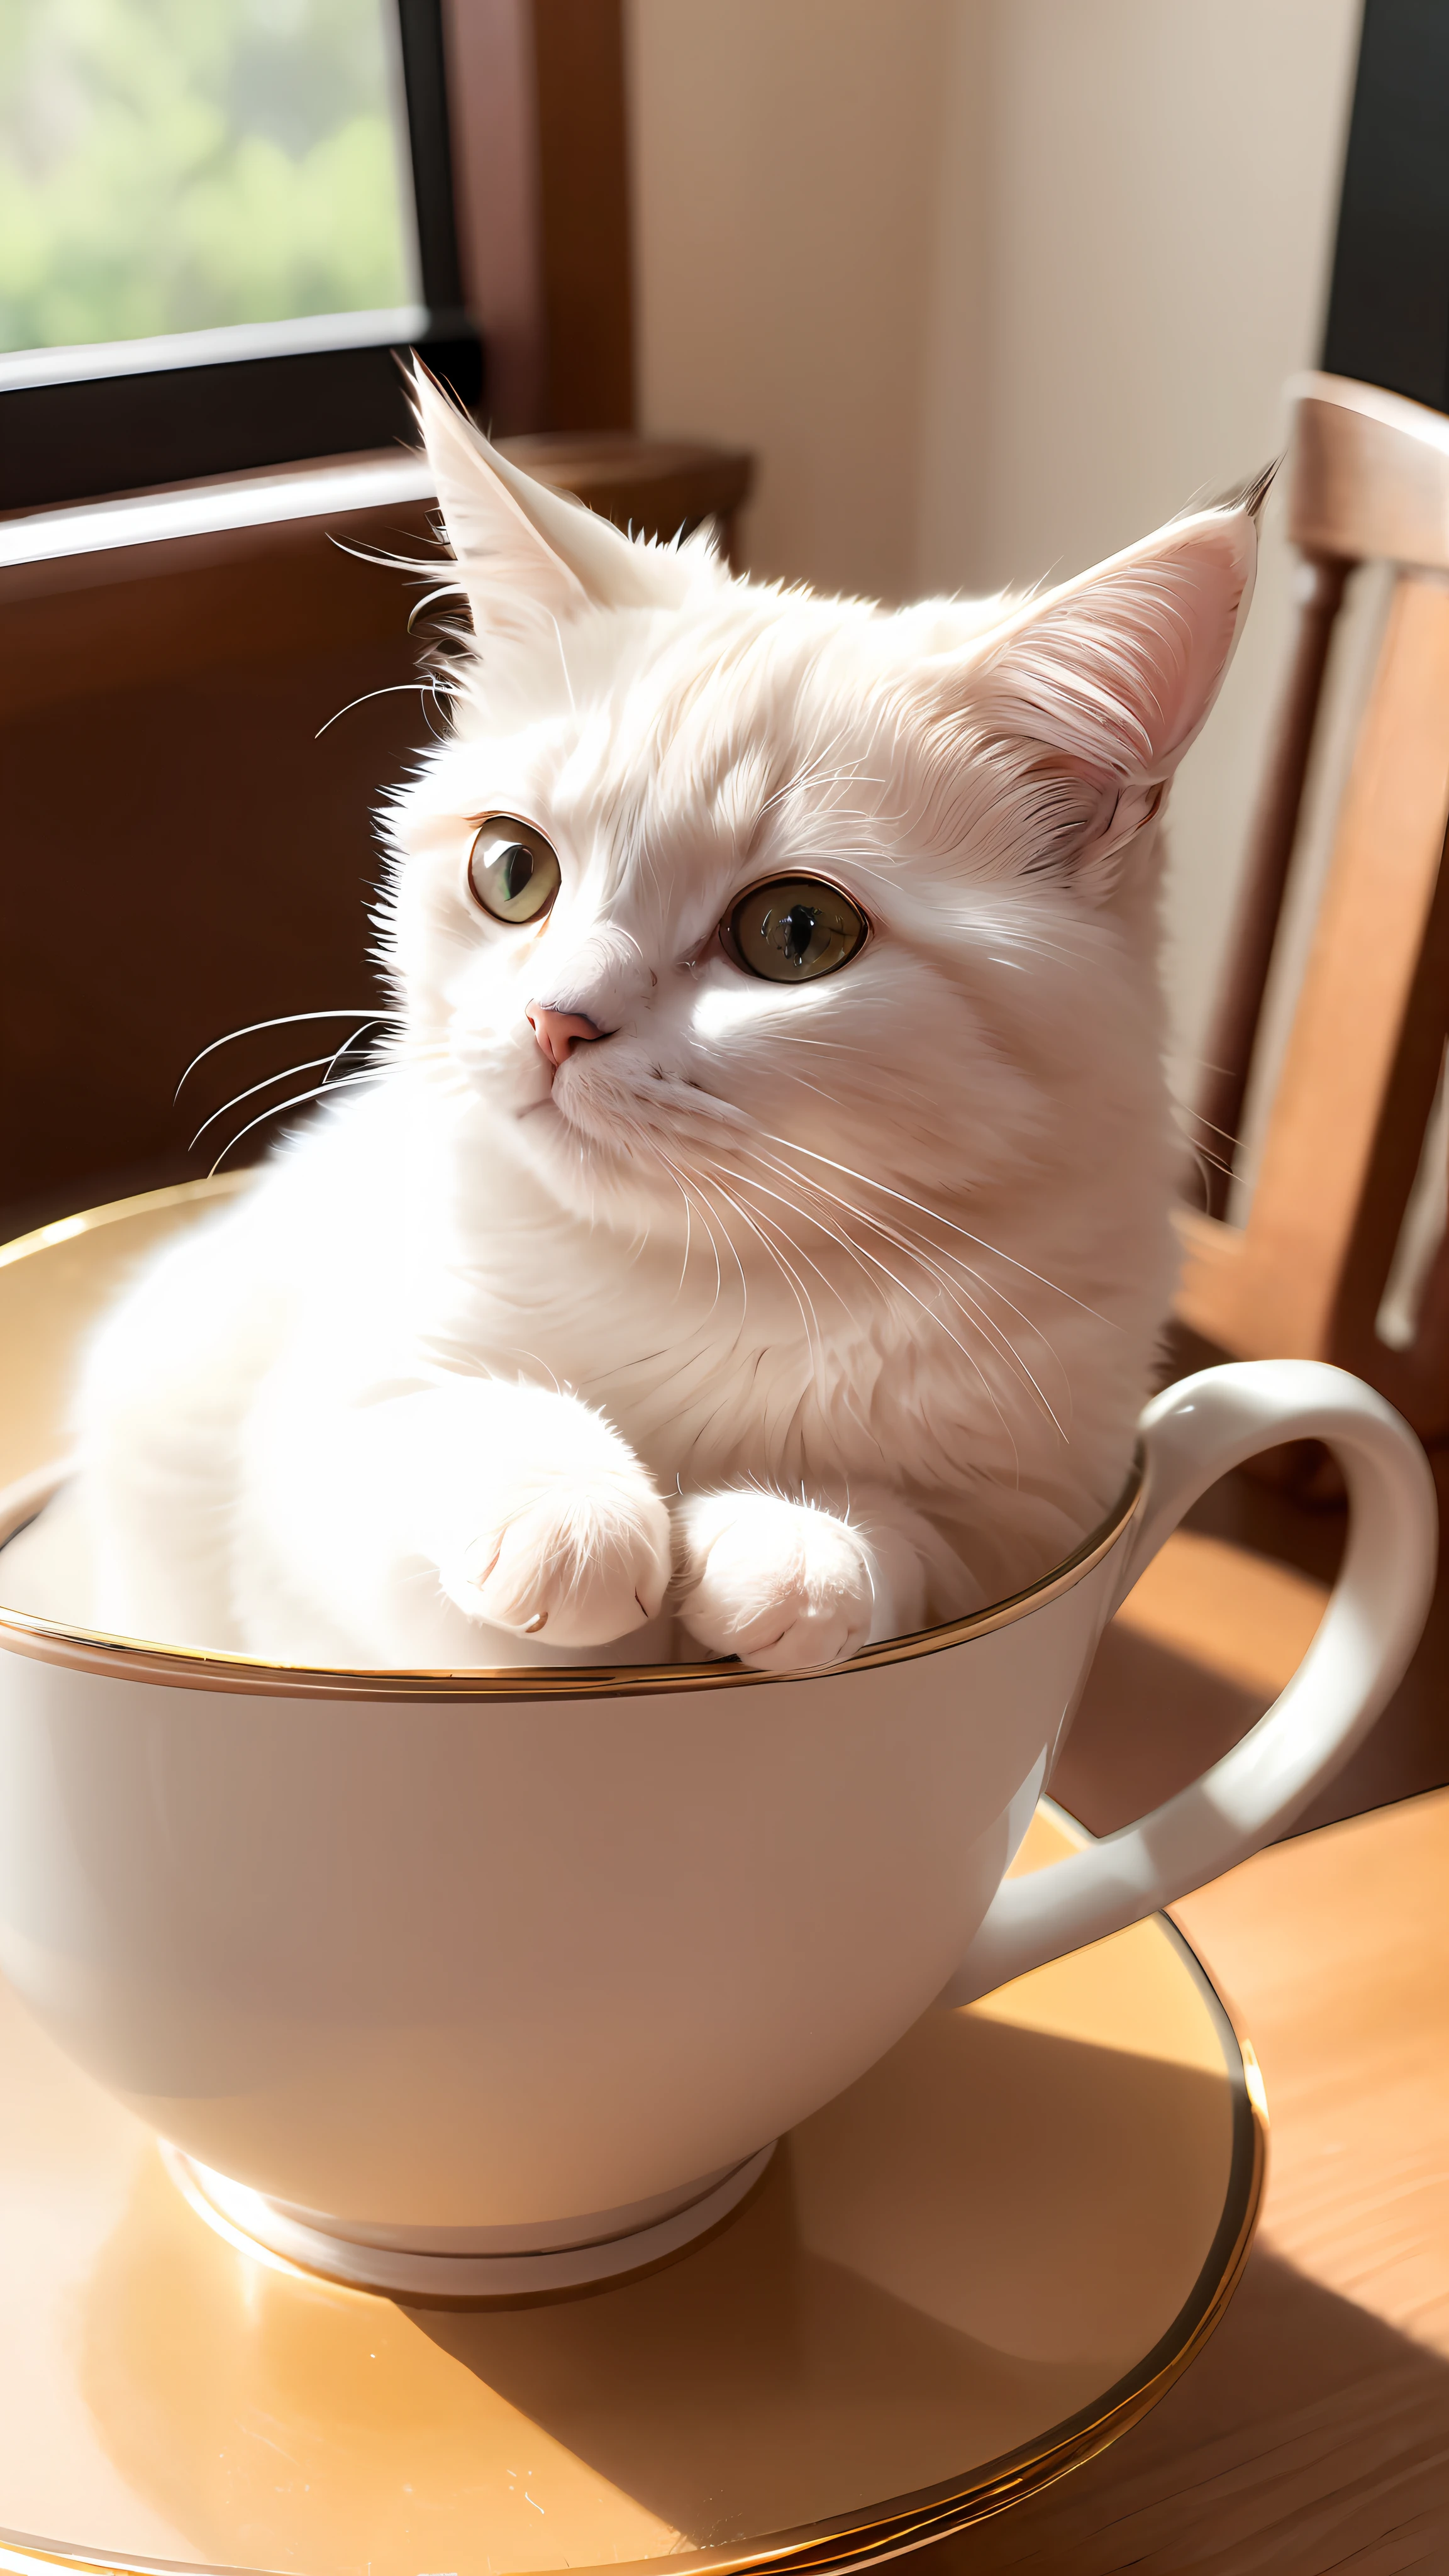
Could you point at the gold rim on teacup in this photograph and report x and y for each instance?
(147, 1659)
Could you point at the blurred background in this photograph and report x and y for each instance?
(175, 168)
(993, 287)
(986, 287)
(981, 289)
(907, 296)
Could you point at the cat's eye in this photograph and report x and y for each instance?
(512, 871)
(794, 929)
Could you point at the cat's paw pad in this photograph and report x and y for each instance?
(575, 1559)
(779, 1584)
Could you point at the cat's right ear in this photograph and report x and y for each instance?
(1099, 688)
(522, 550)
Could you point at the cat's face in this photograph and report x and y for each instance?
(726, 905)
(753, 909)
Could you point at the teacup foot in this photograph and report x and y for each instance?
(248, 2219)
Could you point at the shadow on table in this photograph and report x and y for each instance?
(1308, 2437)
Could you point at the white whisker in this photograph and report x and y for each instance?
(290, 1020)
(862, 1257)
(793, 1147)
(746, 1180)
(734, 1254)
(309, 1065)
(563, 659)
(797, 1288)
(969, 1310)
(396, 689)
(280, 1108)
(916, 1247)
(791, 1277)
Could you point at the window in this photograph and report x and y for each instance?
(218, 219)
(1388, 304)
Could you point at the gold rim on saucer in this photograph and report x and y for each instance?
(897, 2285)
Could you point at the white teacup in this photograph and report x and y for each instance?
(493, 1982)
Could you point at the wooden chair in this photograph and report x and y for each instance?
(1304, 1276)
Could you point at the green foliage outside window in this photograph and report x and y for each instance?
(172, 165)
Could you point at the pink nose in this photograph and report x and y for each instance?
(559, 1032)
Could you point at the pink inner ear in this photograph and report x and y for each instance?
(1119, 670)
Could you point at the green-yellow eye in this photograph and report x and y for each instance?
(512, 871)
(794, 929)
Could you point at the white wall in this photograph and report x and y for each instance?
(993, 286)
(786, 167)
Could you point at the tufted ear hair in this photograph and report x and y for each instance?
(1097, 689)
(522, 550)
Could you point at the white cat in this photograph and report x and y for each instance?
(762, 1215)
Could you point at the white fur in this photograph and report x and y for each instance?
(862, 1279)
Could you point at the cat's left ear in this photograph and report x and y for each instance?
(522, 549)
(1113, 676)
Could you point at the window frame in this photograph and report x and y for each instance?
(147, 413)
(1387, 320)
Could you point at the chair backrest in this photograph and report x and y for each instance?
(1304, 1276)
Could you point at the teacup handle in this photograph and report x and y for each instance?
(1192, 1435)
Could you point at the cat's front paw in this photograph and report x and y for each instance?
(575, 1557)
(779, 1584)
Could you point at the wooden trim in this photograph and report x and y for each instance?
(538, 113)
(211, 413)
(534, 220)
(654, 486)
(153, 588)
(1369, 477)
(190, 834)
(1303, 1276)
(1416, 1379)
(238, 571)
(1234, 1027)
(121, 416)
(583, 167)
(492, 114)
(425, 88)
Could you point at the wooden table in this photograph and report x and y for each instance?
(1312, 2435)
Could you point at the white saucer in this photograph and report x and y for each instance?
(248, 2219)
(962, 2277)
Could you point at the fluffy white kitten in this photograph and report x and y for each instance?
(777, 1218)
